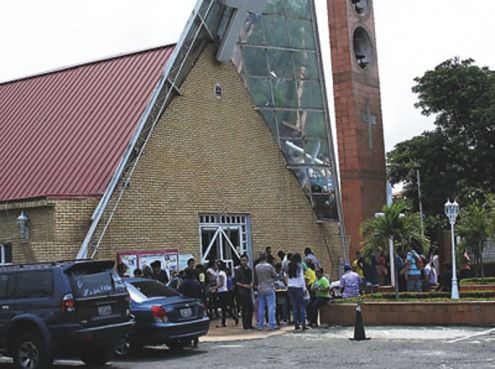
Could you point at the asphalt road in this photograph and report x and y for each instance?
(406, 348)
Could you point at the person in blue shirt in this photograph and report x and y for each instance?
(412, 272)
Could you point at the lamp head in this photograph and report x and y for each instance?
(22, 225)
(451, 210)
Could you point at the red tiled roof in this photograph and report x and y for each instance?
(63, 133)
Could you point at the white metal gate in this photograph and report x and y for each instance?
(224, 237)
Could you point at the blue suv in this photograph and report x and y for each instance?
(62, 309)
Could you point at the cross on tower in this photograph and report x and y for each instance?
(241, 10)
(369, 119)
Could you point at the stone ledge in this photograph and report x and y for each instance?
(472, 313)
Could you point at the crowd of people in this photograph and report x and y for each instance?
(415, 272)
(290, 288)
(279, 290)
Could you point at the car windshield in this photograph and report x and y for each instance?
(142, 290)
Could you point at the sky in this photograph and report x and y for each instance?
(413, 36)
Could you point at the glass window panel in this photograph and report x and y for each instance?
(281, 63)
(275, 7)
(316, 180)
(270, 121)
(311, 94)
(224, 22)
(285, 93)
(312, 149)
(289, 124)
(260, 91)
(276, 30)
(325, 206)
(315, 126)
(329, 175)
(305, 65)
(298, 8)
(255, 61)
(302, 175)
(253, 32)
(324, 154)
(293, 151)
(204, 7)
(301, 34)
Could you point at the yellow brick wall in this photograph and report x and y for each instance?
(215, 156)
(57, 228)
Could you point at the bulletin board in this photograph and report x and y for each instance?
(138, 259)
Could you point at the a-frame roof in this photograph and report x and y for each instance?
(63, 133)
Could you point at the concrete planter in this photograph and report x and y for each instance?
(476, 313)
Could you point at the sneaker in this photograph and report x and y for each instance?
(274, 328)
(297, 327)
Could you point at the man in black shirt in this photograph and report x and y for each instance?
(158, 273)
(244, 286)
(190, 286)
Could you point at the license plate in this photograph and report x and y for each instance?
(186, 313)
(104, 310)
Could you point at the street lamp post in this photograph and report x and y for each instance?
(451, 211)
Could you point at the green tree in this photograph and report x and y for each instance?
(476, 227)
(397, 223)
(457, 158)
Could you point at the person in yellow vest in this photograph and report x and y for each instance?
(309, 274)
(309, 279)
(357, 264)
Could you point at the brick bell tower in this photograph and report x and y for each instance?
(358, 113)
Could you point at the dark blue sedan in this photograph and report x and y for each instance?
(163, 316)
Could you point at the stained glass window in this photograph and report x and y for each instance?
(278, 57)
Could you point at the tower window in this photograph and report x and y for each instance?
(363, 48)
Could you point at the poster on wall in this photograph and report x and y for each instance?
(183, 260)
(139, 259)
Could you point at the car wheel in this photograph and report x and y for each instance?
(176, 345)
(98, 357)
(30, 352)
(123, 348)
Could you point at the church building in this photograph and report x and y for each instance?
(210, 148)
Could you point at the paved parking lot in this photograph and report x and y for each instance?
(443, 348)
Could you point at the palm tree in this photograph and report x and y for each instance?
(395, 223)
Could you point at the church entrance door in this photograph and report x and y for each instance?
(224, 237)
